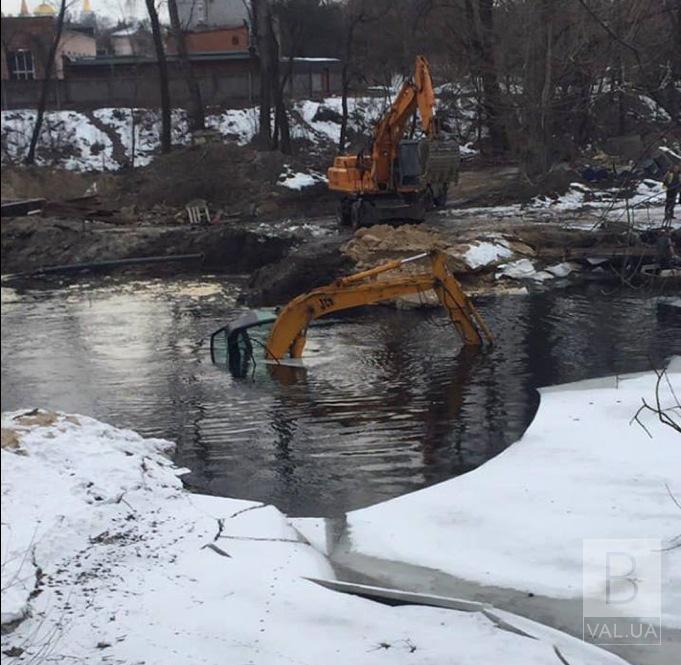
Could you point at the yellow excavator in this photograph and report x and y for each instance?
(289, 330)
(397, 179)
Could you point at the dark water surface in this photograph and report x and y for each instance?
(386, 406)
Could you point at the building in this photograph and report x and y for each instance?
(26, 42)
(77, 41)
(123, 41)
(197, 14)
(27, 39)
(120, 68)
(214, 40)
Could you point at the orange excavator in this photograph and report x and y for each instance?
(398, 178)
(289, 330)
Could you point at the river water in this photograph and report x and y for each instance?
(386, 405)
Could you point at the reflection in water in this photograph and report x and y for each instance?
(387, 404)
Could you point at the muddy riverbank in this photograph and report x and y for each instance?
(287, 257)
(32, 243)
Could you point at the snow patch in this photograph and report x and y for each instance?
(484, 253)
(562, 269)
(297, 180)
(520, 269)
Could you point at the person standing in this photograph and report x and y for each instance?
(672, 183)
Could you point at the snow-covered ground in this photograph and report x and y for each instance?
(106, 558)
(582, 207)
(291, 179)
(82, 141)
(108, 138)
(582, 470)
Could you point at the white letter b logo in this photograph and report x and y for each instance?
(620, 584)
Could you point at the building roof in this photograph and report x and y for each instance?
(199, 29)
(315, 59)
(201, 56)
(136, 59)
(124, 32)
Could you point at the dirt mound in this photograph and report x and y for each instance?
(234, 179)
(224, 174)
(467, 251)
(383, 242)
(38, 182)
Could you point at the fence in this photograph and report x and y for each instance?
(218, 89)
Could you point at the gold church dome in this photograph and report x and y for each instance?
(44, 9)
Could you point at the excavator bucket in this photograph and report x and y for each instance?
(442, 162)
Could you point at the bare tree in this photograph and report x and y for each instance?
(537, 89)
(271, 84)
(480, 19)
(197, 118)
(357, 14)
(162, 75)
(261, 26)
(667, 415)
(45, 88)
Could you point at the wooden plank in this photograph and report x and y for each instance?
(22, 207)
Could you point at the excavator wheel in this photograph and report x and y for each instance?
(344, 212)
(428, 198)
(358, 213)
(440, 195)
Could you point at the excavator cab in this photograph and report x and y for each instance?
(232, 345)
(409, 166)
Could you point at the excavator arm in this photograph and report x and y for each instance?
(289, 331)
(415, 93)
(373, 172)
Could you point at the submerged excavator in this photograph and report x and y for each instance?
(289, 327)
(397, 179)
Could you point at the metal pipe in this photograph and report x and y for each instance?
(74, 267)
(417, 257)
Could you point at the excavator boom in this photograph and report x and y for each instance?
(290, 328)
(415, 93)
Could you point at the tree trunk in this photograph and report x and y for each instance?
(539, 87)
(493, 103)
(260, 11)
(197, 118)
(162, 75)
(281, 137)
(45, 89)
(480, 22)
(345, 88)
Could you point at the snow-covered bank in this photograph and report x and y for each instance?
(107, 558)
(108, 138)
(582, 470)
(581, 206)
